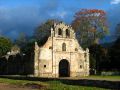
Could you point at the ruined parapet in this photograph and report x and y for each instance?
(62, 30)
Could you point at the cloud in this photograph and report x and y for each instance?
(115, 1)
(60, 14)
(21, 19)
(113, 20)
(26, 18)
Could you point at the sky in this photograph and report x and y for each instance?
(24, 16)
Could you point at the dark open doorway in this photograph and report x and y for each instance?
(64, 68)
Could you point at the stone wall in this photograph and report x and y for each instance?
(17, 65)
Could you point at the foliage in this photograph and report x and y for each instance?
(21, 40)
(5, 45)
(114, 53)
(117, 32)
(15, 48)
(26, 43)
(90, 25)
(92, 64)
(110, 73)
(40, 35)
(105, 58)
(99, 58)
(29, 46)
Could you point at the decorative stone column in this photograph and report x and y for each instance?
(36, 58)
(87, 61)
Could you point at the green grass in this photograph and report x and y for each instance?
(21, 82)
(116, 78)
(57, 85)
(52, 85)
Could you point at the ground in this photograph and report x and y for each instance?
(88, 83)
(4, 86)
(11, 84)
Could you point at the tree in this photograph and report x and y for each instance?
(21, 40)
(117, 32)
(99, 58)
(26, 43)
(115, 55)
(90, 25)
(42, 33)
(29, 46)
(5, 45)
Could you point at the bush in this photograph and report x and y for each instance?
(110, 73)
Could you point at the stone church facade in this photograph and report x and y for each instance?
(61, 55)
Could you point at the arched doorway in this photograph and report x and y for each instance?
(64, 68)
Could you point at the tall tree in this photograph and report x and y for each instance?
(5, 45)
(117, 32)
(90, 25)
(99, 59)
(115, 55)
(21, 40)
(25, 43)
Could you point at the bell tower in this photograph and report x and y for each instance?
(62, 31)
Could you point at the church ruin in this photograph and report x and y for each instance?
(61, 55)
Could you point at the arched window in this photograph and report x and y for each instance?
(63, 47)
(59, 31)
(67, 33)
(80, 66)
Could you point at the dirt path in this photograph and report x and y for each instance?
(4, 86)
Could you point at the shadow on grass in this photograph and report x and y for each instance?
(79, 82)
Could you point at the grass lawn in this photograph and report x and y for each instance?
(113, 78)
(58, 85)
(23, 83)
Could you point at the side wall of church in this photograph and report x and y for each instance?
(45, 59)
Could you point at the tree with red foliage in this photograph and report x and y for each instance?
(90, 25)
